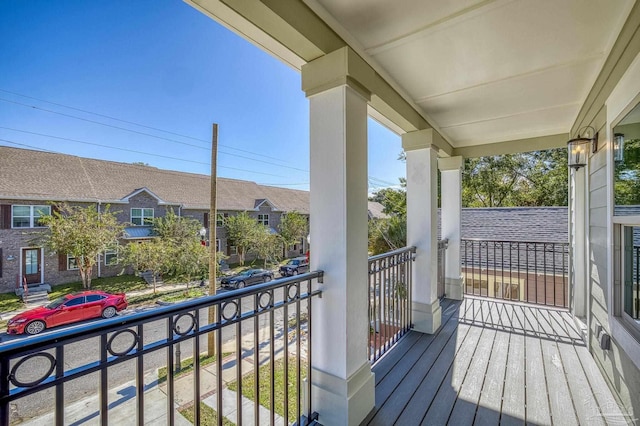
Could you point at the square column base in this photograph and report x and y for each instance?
(343, 402)
(454, 288)
(426, 318)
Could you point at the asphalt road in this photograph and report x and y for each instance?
(88, 351)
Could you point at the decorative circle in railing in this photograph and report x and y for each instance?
(231, 313)
(112, 340)
(15, 373)
(178, 327)
(264, 300)
(296, 291)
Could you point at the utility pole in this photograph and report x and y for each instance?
(213, 216)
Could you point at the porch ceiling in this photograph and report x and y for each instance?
(478, 71)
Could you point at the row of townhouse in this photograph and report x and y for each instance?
(30, 181)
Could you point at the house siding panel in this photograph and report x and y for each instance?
(620, 372)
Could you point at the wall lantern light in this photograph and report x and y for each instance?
(618, 147)
(578, 147)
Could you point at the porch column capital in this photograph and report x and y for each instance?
(450, 163)
(342, 67)
(421, 139)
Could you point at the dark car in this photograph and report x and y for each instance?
(295, 266)
(67, 309)
(247, 277)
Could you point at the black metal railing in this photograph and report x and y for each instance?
(190, 359)
(635, 285)
(443, 245)
(532, 272)
(389, 299)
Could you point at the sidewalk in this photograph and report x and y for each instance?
(123, 402)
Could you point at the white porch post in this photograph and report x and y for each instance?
(343, 385)
(422, 199)
(451, 222)
(578, 243)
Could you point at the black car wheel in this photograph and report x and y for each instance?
(35, 327)
(294, 272)
(267, 278)
(240, 284)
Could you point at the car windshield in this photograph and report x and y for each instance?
(294, 262)
(246, 273)
(59, 301)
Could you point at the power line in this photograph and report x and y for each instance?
(136, 152)
(137, 124)
(141, 152)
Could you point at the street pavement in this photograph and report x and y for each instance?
(122, 398)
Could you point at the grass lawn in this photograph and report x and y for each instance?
(208, 416)
(10, 302)
(249, 380)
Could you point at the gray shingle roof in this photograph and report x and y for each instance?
(37, 175)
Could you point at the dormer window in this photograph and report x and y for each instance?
(142, 216)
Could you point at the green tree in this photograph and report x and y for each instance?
(537, 178)
(293, 226)
(150, 255)
(81, 232)
(393, 200)
(241, 230)
(181, 237)
(267, 245)
(387, 234)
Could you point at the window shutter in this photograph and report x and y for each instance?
(206, 220)
(5, 216)
(0, 262)
(62, 262)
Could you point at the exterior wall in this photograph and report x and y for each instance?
(620, 364)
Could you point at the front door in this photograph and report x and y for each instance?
(31, 265)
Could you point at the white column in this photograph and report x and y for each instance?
(578, 244)
(451, 222)
(422, 201)
(343, 385)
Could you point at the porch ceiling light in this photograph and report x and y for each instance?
(618, 147)
(578, 147)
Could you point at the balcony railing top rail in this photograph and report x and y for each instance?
(123, 339)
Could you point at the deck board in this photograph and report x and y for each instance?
(493, 362)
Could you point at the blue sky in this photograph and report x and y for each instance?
(80, 77)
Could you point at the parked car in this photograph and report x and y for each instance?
(246, 278)
(295, 266)
(68, 309)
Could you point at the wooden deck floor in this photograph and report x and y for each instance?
(493, 363)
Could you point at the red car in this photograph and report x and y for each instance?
(67, 309)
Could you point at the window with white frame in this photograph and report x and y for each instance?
(142, 216)
(28, 216)
(626, 211)
(72, 263)
(220, 219)
(263, 219)
(111, 257)
(218, 245)
(233, 250)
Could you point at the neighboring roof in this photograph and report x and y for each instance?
(376, 210)
(36, 175)
(537, 224)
